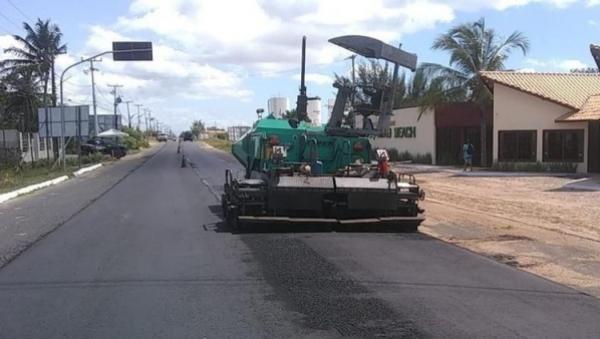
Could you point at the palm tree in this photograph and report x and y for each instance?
(473, 48)
(38, 52)
(21, 99)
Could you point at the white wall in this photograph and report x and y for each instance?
(14, 140)
(516, 110)
(423, 143)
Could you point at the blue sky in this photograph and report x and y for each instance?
(220, 60)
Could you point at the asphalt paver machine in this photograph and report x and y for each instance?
(299, 173)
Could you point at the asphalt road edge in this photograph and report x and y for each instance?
(5, 261)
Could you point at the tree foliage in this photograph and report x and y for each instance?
(37, 52)
(25, 77)
(473, 47)
(197, 128)
(587, 70)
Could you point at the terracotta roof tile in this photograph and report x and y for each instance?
(569, 89)
(589, 111)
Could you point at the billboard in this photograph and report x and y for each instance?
(106, 122)
(76, 121)
(132, 51)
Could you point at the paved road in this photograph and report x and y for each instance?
(149, 258)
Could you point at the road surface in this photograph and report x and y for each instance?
(149, 257)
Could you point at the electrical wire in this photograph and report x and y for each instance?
(9, 20)
(19, 10)
(5, 31)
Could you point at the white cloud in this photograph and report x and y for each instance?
(319, 79)
(556, 65)
(592, 22)
(525, 70)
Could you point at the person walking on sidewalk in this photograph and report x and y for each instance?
(468, 151)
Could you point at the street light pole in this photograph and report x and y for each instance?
(146, 115)
(139, 117)
(62, 105)
(92, 69)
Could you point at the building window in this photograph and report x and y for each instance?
(517, 146)
(563, 145)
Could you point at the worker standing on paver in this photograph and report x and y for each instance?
(468, 151)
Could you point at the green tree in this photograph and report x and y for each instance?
(197, 128)
(473, 47)
(20, 99)
(39, 48)
(411, 90)
(588, 70)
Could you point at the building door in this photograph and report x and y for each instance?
(450, 141)
(594, 147)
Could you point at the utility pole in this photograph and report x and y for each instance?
(94, 106)
(128, 113)
(139, 116)
(146, 114)
(116, 102)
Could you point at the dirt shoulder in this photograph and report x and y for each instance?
(534, 223)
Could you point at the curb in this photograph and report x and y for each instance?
(11, 195)
(86, 169)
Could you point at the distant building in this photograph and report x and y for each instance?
(277, 106)
(235, 133)
(313, 109)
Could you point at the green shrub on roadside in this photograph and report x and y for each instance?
(135, 139)
(418, 158)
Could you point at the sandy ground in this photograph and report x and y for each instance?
(534, 223)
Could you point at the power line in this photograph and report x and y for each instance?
(9, 20)
(5, 31)
(103, 96)
(19, 10)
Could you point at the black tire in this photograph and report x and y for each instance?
(224, 206)
(232, 218)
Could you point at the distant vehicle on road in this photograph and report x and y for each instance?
(98, 145)
(162, 137)
(187, 136)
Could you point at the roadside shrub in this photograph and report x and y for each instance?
(92, 158)
(563, 167)
(222, 136)
(135, 139)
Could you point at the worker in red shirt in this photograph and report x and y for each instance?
(383, 165)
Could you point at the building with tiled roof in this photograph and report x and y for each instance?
(546, 117)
